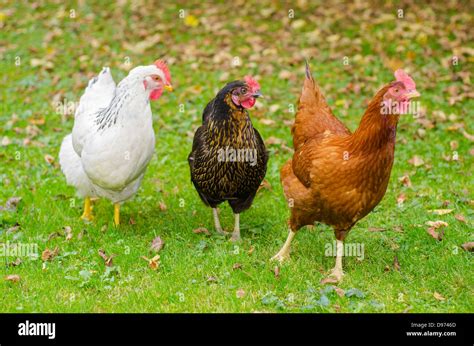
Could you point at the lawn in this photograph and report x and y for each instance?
(49, 52)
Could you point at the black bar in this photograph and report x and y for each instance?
(290, 329)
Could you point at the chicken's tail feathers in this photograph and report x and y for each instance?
(314, 116)
(103, 79)
(308, 70)
(72, 168)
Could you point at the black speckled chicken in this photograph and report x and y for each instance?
(228, 160)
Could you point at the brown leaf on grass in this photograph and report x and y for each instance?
(14, 228)
(108, 260)
(237, 266)
(396, 264)
(329, 280)
(437, 224)
(416, 161)
(15, 263)
(441, 211)
(68, 232)
(132, 221)
(376, 229)
(264, 185)
(252, 248)
(340, 292)
(468, 246)
(201, 230)
(467, 135)
(48, 255)
(460, 218)
(11, 204)
(157, 244)
(153, 263)
(163, 206)
(240, 293)
(49, 159)
(397, 228)
(401, 198)
(12, 278)
(454, 145)
(405, 180)
(54, 235)
(276, 272)
(434, 225)
(211, 279)
(37, 121)
(438, 296)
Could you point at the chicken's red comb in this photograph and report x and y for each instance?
(161, 64)
(252, 83)
(403, 77)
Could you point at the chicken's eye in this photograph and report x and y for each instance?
(243, 90)
(396, 90)
(156, 78)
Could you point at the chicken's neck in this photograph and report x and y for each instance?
(230, 125)
(376, 131)
(128, 99)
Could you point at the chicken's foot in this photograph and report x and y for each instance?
(236, 234)
(284, 252)
(87, 214)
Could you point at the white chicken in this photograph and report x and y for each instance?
(112, 140)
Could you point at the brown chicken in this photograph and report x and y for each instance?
(338, 177)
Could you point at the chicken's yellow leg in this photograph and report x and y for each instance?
(337, 272)
(87, 214)
(116, 214)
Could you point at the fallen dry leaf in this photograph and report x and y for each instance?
(441, 211)
(405, 180)
(396, 264)
(49, 159)
(438, 296)
(12, 278)
(438, 236)
(201, 230)
(264, 185)
(376, 229)
(340, 292)
(460, 218)
(48, 255)
(154, 262)
(108, 260)
(468, 246)
(401, 198)
(276, 272)
(68, 232)
(11, 204)
(437, 224)
(240, 293)
(237, 266)
(15, 263)
(416, 161)
(157, 244)
(162, 206)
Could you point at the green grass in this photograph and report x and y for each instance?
(197, 272)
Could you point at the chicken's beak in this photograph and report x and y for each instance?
(257, 94)
(413, 94)
(168, 87)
